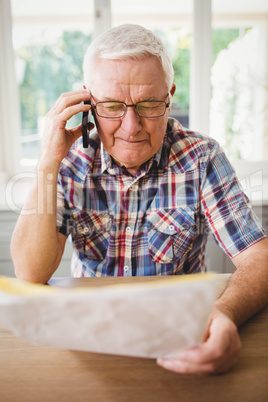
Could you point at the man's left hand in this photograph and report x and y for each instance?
(217, 354)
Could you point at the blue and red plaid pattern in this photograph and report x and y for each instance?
(157, 222)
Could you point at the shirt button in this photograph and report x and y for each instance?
(86, 230)
(126, 268)
(171, 228)
(128, 229)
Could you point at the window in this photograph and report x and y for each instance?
(239, 78)
(49, 40)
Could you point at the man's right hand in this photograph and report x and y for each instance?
(57, 140)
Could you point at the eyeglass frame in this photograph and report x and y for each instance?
(94, 106)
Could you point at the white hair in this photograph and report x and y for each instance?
(127, 42)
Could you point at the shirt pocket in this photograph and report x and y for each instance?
(170, 233)
(91, 234)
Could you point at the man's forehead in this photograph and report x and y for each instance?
(145, 77)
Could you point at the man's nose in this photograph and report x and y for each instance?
(131, 121)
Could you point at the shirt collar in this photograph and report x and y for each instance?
(106, 161)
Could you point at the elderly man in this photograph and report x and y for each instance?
(142, 197)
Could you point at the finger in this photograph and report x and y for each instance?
(70, 98)
(206, 353)
(71, 101)
(64, 95)
(182, 367)
(77, 131)
(70, 111)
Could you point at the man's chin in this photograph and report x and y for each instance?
(130, 160)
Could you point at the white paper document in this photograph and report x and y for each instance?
(153, 319)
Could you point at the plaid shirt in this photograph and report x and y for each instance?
(157, 222)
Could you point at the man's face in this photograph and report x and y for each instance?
(131, 140)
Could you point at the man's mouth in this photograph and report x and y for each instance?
(130, 141)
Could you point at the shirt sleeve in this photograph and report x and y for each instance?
(226, 209)
(64, 221)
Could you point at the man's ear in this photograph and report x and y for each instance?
(173, 89)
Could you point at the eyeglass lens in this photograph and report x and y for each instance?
(144, 109)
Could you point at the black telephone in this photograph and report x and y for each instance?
(85, 133)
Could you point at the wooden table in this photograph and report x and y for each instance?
(35, 374)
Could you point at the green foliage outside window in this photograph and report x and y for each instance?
(181, 65)
(221, 39)
(50, 70)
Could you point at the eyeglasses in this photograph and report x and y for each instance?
(115, 110)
